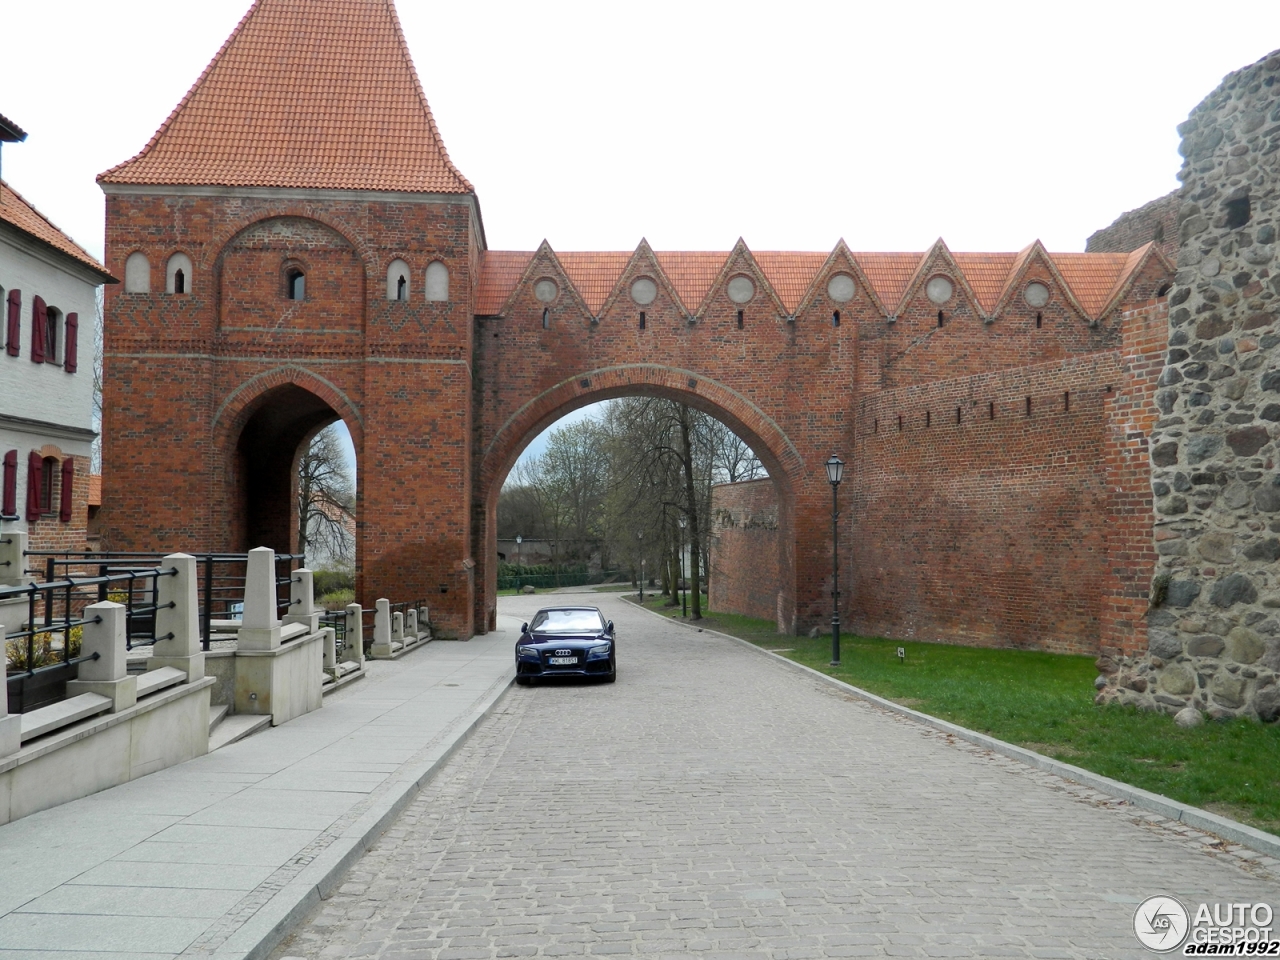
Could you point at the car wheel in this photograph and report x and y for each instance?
(522, 681)
(611, 677)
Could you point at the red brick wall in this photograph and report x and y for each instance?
(49, 532)
(186, 375)
(744, 539)
(209, 395)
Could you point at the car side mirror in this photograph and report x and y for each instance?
(609, 628)
(524, 628)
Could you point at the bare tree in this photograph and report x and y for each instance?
(326, 499)
(95, 452)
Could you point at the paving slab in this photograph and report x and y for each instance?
(212, 857)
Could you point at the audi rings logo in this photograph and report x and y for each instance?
(564, 653)
(1161, 923)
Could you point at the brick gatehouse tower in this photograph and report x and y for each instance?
(298, 248)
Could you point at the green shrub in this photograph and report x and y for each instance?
(333, 581)
(336, 599)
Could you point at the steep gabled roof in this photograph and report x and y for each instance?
(790, 273)
(15, 211)
(691, 274)
(315, 94)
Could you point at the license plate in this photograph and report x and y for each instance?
(561, 661)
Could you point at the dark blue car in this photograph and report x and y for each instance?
(566, 642)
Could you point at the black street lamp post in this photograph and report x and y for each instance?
(835, 473)
(519, 570)
(640, 537)
(684, 590)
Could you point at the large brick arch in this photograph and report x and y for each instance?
(775, 449)
(258, 434)
(218, 242)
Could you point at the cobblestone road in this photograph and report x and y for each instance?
(712, 803)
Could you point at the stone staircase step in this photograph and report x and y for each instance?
(237, 727)
(217, 713)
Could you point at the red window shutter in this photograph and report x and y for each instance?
(69, 351)
(10, 505)
(68, 486)
(35, 477)
(13, 342)
(39, 324)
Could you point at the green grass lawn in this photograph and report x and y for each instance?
(1044, 701)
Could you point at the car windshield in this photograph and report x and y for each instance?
(566, 621)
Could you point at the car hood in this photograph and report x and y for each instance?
(561, 640)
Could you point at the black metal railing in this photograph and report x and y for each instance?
(36, 671)
(220, 585)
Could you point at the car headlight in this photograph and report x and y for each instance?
(523, 651)
(598, 653)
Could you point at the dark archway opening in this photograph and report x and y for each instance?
(266, 466)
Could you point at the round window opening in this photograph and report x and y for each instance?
(546, 290)
(644, 291)
(741, 289)
(1036, 294)
(841, 288)
(939, 290)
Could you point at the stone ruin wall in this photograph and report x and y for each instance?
(1156, 222)
(1214, 620)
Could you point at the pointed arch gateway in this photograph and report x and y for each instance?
(775, 449)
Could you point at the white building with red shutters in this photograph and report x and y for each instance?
(48, 289)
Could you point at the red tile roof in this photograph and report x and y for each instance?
(1093, 278)
(305, 93)
(691, 274)
(986, 273)
(500, 271)
(790, 273)
(17, 212)
(594, 275)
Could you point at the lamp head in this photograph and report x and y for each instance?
(835, 470)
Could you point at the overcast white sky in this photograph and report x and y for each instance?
(692, 123)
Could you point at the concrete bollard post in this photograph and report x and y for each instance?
(302, 600)
(381, 648)
(260, 627)
(182, 619)
(424, 621)
(108, 676)
(13, 544)
(330, 642)
(355, 634)
(397, 627)
(411, 625)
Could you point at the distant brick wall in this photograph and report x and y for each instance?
(1155, 221)
(744, 567)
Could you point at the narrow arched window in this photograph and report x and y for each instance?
(437, 281)
(177, 274)
(137, 273)
(52, 335)
(296, 284)
(50, 466)
(398, 281)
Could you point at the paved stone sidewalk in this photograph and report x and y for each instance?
(207, 858)
(712, 803)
